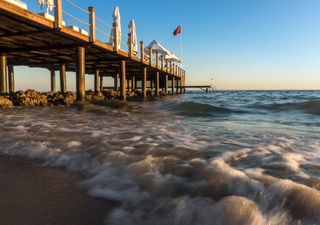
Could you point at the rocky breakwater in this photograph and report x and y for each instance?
(35, 98)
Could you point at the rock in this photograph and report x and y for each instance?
(69, 98)
(111, 94)
(29, 98)
(91, 96)
(60, 98)
(149, 92)
(5, 102)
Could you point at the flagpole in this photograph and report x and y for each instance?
(181, 47)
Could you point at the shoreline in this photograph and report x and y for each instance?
(32, 194)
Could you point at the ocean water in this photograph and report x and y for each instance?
(229, 157)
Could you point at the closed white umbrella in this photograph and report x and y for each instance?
(134, 39)
(50, 5)
(114, 33)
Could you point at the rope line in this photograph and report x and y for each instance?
(102, 32)
(78, 7)
(75, 18)
(104, 23)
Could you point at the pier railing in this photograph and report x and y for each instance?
(66, 13)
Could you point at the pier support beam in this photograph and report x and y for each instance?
(11, 79)
(53, 80)
(128, 84)
(172, 85)
(116, 82)
(144, 81)
(3, 74)
(96, 80)
(177, 86)
(151, 84)
(133, 83)
(123, 82)
(63, 78)
(157, 84)
(80, 73)
(101, 82)
(166, 84)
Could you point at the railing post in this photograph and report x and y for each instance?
(176, 70)
(150, 57)
(58, 14)
(162, 63)
(157, 59)
(167, 66)
(115, 38)
(130, 53)
(92, 20)
(142, 51)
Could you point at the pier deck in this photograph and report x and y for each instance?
(29, 39)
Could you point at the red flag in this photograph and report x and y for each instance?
(177, 31)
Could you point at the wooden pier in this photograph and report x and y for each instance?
(30, 39)
(206, 88)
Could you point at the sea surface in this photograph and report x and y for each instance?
(222, 158)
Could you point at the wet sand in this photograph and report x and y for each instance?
(33, 195)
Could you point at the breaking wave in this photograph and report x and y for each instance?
(311, 107)
(194, 109)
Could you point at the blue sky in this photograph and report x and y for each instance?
(241, 44)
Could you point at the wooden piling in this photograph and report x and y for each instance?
(128, 84)
(92, 21)
(11, 79)
(58, 14)
(172, 86)
(96, 80)
(157, 83)
(101, 82)
(133, 83)
(177, 86)
(166, 84)
(80, 73)
(53, 80)
(144, 81)
(3, 74)
(123, 92)
(151, 84)
(63, 78)
(116, 82)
